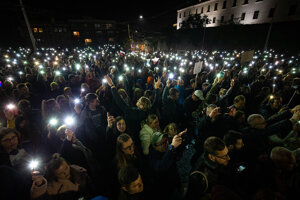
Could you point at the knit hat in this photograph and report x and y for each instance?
(199, 94)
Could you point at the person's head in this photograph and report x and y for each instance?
(67, 91)
(152, 121)
(216, 150)
(9, 139)
(283, 158)
(50, 108)
(54, 86)
(120, 124)
(143, 103)
(85, 87)
(257, 121)
(92, 100)
(239, 102)
(181, 82)
(130, 179)
(61, 132)
(160, 142)
(57, 169)
(222, 92)
(275, 103)
(210, 108)
(204, 85)
(24, 106)
(240, 117)
(124, 149)
(171, 129)
(193, 82)
(233, 140)
(174, 94)
(197, 95)
(22, 89)
(149, 94)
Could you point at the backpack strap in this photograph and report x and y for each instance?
(204, 176)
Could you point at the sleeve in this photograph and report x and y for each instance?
(38, 191)
(162, 164)
(278, 117)
(283, 128)
(213, 90)
(145, 141)
(165, 95)
(119, 101)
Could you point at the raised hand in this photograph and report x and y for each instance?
(110, 120)
(109, 81)
(157, 83)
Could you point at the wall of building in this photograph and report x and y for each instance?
(262, 6)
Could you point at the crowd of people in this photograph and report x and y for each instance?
(108, 123)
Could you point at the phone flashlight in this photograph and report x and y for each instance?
(69, 121)
(10, 106)
(33, 164)
(53, 122)
(76, 101)
(171, 76)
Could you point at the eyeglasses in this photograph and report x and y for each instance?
(129, 147)
(225, 157)
(12, 139)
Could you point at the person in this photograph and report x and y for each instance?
(271, 108)
(131, 183)
(11, 152)
(209, 169)
(61, 181)
(148, 129)
(234, 143)
(162, 162)
(170, 108)
(192, 102)
(133, 115)
(92, 126)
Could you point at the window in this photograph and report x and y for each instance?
(292, 10)
(76, 33)
(224, 4)
(243, 16)
(60, 29)
(208, 8)
(35, 30)
(179, 15)
(196, 11)
(108, 26)
(234, 3)
(202, 10)
(216, 6)
(258, 0)
(189, 12)
(87, 41)
(245, 2)
(271, 12)
(41, 30)
(97, 26)
(214, 20)
(232, 16)
(255, 15)
(222, 19)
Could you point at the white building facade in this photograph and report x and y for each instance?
(220, 12)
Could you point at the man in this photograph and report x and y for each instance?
(170, 106)
(92, 128)
(192, 102)
(234, 143)
(131, 183)
(162, 160)
(209, 169)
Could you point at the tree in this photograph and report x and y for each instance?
(195, 21)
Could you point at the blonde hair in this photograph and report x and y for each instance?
(167, 128)
(145, 102)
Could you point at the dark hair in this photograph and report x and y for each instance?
(213, 144)
(5, 131)
(231, 137)
(90, 97)
(148, 93)
(193, 80)
(120, 156)
(20, 86)
(212, 98)
(24, 106)
(173, 91)
(117, 119)
(127, 174)
(52, 166)
(47, 108)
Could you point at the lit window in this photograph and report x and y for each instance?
(255, 15)
(111, 39)
(87, 41)
(76, 33)
(35, 30)
(40, 30)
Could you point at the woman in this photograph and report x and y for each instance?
(148, 129)
(61, 181)
(10, 153)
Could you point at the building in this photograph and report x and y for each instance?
(221, 12)
(76, 32)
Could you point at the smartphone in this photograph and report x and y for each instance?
(241, 168)
(222, 74)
